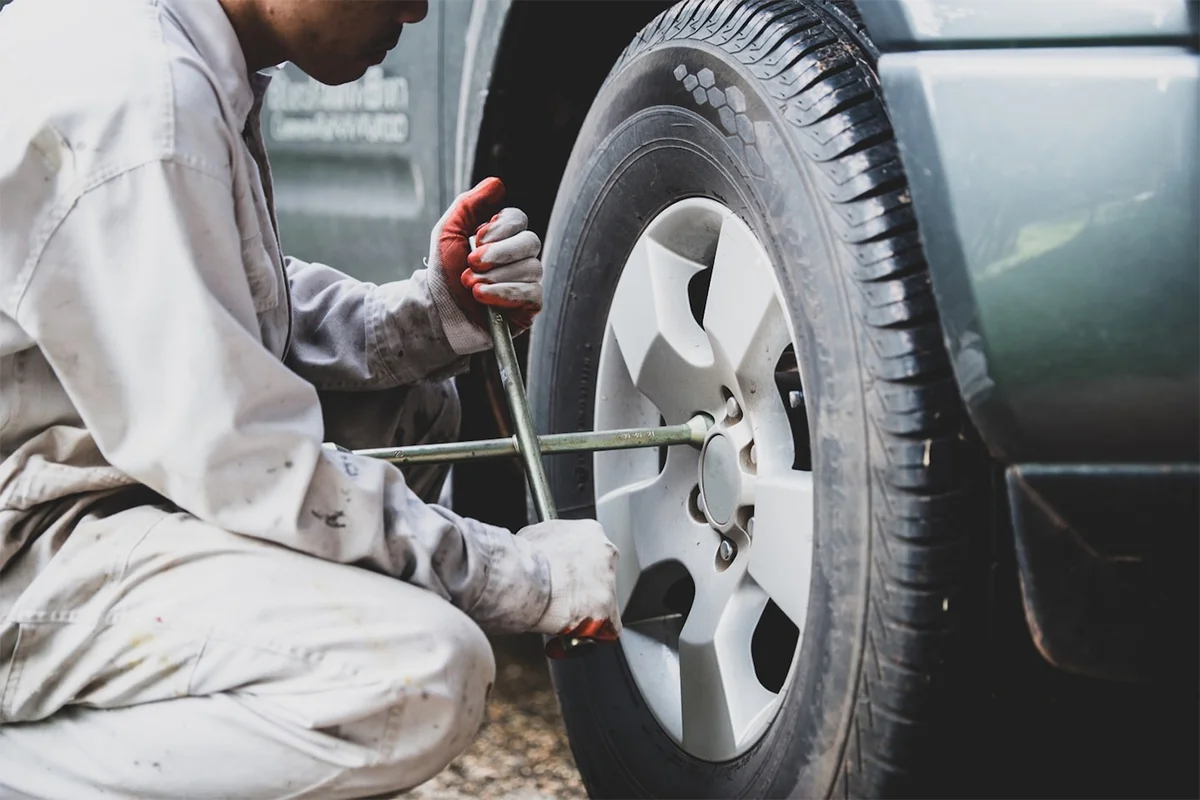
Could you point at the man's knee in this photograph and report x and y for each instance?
(469, 670)
(437, 711)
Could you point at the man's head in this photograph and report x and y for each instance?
(334, 41)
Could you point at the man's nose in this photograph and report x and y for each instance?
(413, 11)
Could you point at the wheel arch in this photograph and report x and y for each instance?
(529, 79)
(532, 70)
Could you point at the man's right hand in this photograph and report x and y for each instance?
(583, 573)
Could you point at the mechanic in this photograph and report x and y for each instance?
(198, 599)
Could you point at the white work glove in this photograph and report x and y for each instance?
(502, 271)
(583, 575)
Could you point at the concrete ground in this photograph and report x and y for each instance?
(521, 751)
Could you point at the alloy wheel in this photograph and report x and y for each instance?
(716, 544)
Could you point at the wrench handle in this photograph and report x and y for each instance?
(561, 646)
(518, 405)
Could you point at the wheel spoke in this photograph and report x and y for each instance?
(743, 316)
(649, 523)
(779, 556)
(621, 405)
(651, 644)
(666, 352)
(616, 513)
(720, 693)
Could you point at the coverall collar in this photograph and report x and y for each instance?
(213, 36)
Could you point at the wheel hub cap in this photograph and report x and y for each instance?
(720, 481)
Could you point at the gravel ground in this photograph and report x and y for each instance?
(521, 751)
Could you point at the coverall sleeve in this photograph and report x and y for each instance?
(349, 334)
(154, 335)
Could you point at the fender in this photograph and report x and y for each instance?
(484, 32)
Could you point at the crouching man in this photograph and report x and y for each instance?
(197, 599)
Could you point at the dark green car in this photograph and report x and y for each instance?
(932, 267)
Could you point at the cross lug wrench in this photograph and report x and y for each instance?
(530, 447)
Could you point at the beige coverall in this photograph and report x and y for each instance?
(196, 599)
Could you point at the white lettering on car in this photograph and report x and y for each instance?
(372, 109)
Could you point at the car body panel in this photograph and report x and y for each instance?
(1057, 195)
(929, 24)
(481, 43)
(1053, 155)
(1106, 559)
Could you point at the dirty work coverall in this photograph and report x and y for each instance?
(196, 599)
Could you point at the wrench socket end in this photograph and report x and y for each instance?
(561, 647)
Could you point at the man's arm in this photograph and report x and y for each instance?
(349, 334)
(142, 306)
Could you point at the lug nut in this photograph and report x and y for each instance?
(754, 454)
(726, 551)
(750, 527)
(732, 410)
(795, 399)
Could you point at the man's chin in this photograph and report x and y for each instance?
(344, 71)
(334, 72)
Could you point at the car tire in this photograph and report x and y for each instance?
(795, 141)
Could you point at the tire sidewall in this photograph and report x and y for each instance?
(648, 144)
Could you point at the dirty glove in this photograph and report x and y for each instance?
(504, 272)
(583, 574)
